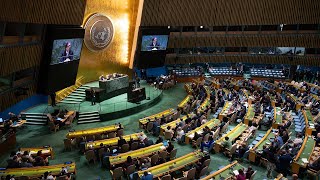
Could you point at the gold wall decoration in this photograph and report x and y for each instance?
(115, 58)
(99, 32)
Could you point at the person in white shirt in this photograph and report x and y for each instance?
(179, 133)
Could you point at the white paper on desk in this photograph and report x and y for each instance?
(45, 151)
(236, 172)
(191, 136)
(304, 160)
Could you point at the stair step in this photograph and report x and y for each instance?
(90, 112)
(88, 118)
(72, 100)
(75, 97)
(34, 123)
(88, 115)
(27, 113)
(38, 120)
(68, 102)
(35, 116)
(88, 121)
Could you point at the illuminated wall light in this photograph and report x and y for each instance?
(123, 29)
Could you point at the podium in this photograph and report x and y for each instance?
(100, 94)
(136, 95)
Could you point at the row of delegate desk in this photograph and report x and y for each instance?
(144, 121)
(37, 171)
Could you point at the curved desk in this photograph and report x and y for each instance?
(144, 121)
(92, 131)
(212, 123)
(111, 141)
(184, 102)
(225, 173)
(304, 153)
(39, 170)
(259, 146)
(173, 165)
(233, 134)
(47, 151)
(139, 153)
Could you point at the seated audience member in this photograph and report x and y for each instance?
(207, 144)
(14, 162)
(128, 163)
(13, 117)
(249, 172)
(315, 165)
(25, 163)
(317, 139)
(226, 143)
(147, 176)
(283, 164)
(121, 141)
(145, 163)
(170, 147)
(50, 176)
(159, 140)
(155, 128)
(169, 130)
(179, 134)
(40, 159)
(27, 157)
(142, 137)
(241, 175)
(298, 140)
(285, 136)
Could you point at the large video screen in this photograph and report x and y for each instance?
(66, 50)
(154, 42)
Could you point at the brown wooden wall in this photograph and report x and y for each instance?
(13, 59)
(8, 99)
(256, 59)
(229, 12)
(303, 40)
(43, 11)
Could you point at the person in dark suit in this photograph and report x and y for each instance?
(93, 96)
(121, 141)
(53, 99)
(67, 54)
(154, 45)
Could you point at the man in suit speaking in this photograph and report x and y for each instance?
(154, 45)
(67, 54)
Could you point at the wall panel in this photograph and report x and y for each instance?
(293, 40)
(17, 58)
(232, 12)
(10, 98)
(43, 11)
(304, 60)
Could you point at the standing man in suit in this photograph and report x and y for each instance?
(53, 99)
(154, 45)
(93, 97)
(67, 54)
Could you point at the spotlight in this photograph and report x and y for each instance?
(169, 27)
(201, 27)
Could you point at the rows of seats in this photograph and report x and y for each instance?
(186, 72)
(299, 122)
(267, 85)
(275, 73)
(222, 71)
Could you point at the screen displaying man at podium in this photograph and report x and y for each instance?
(154, 43)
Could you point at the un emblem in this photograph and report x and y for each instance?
(98, 32)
